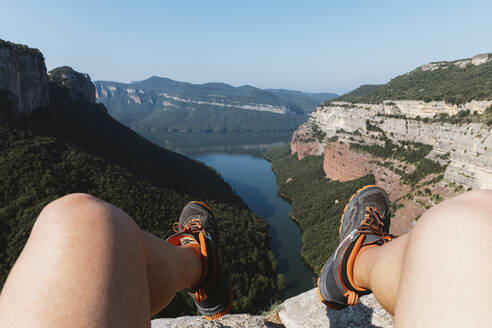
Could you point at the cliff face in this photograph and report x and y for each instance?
(304, 143)
(24, 83)
(466, 148)
(463, 149)
(23, 79)
(78, 86)
(417, 108)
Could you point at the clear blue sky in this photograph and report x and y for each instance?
(305, 45)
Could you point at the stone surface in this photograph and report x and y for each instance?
(23, 79)
(232, 321)
(77, 85)
(306, 310)
(475, 60)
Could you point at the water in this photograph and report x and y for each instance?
(252, 178)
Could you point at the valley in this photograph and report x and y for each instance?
(61, 134)
(246, 144)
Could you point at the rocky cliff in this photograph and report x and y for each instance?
(78, 86)
(357, 139)
(23, 79)
(25, 84)
(304, 310)
(466, 149)
(425, 135)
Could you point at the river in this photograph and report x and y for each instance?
(250, 175)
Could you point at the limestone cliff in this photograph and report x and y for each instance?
(78, 86)
(463, 149)
(25, 84)
(23, 79)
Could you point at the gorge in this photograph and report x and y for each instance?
(423, 142)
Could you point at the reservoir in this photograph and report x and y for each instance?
(250, 175)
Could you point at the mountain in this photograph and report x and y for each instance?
(159, 105)
(54, 140)
(305, 101)
(455, 82)
(420, 151)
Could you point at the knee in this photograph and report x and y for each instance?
(467, 213)
(82, 212)
(473, 204)
(65, 208)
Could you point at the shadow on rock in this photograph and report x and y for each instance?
(351, 317)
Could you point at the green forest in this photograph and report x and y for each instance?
(449, 83)
(210, 119)
(317, 202)
(78, 147)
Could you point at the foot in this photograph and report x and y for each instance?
(365, 223)
(212, 293)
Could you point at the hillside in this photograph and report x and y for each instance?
(454, 82)
(360, 92)
(73, 145)
(420, 152)
(306, 101)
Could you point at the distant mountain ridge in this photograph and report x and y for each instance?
(159, 105)
(306, 101)
(279, 101)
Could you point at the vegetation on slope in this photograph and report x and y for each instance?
(317, 202)
(462, 117)
(77, 147)
(448, 82)
(410, 152)
(193, 144)
(302, 102)
(20, 48)
(207, 91)
(361, 91)
(209, 119)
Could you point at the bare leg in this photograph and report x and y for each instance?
(87, 264)
(438, 274)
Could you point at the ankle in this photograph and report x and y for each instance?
(363, 266)
(191, 264)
